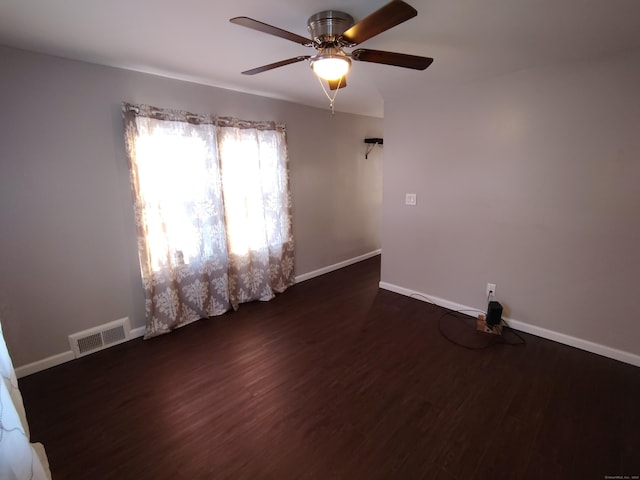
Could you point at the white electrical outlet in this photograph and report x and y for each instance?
(410, 199)
(491, 289)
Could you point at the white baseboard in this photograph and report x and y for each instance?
(336, 266)
(137, 332)
(580, 343)
(61, 358)
(45, 363)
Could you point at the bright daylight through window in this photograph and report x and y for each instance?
(174, 191)
(213, 212)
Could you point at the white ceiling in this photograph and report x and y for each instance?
(193, 40)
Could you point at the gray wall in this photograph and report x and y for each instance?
(530, 181)
(67, 247)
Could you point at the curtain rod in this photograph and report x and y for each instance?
(196, 118)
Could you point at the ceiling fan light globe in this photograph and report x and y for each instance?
(331, 68)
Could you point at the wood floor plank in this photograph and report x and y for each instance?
(335, 379)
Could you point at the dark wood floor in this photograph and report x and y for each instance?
(336, 379)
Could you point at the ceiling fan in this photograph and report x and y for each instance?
(332, 31)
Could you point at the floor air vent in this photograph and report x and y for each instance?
(99, 338)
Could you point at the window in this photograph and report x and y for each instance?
(213, 212)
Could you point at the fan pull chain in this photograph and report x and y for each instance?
(331, 99)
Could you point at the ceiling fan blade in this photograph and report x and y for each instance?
(271, 66)
(335, 84)
(271, 30)
(392, 58)
(392, 14)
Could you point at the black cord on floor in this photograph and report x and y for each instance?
(493, 339)
(515, 334)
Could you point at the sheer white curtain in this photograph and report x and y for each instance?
(19, 458)
(213, 212)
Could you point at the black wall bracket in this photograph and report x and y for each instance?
(371, 143)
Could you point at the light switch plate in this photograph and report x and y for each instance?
(410, 199)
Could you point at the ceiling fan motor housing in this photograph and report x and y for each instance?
(325, 27)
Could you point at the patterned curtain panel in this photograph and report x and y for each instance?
(257, 202)
(213, 212)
